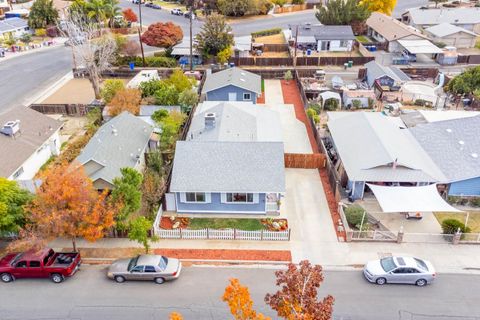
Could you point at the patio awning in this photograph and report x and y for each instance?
(419, 46)
(410, 199)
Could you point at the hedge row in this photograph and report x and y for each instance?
(156, 62)
(267, 32)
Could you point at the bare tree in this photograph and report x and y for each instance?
(93, 48)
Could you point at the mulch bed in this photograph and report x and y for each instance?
(291, 95)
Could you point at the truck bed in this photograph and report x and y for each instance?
(62, 259)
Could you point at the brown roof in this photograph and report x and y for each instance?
(390, 28)
(35, 129)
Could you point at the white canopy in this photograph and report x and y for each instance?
(330, 95)
(410, 199)
(419, 46)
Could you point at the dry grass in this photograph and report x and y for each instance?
(473, 219)
(273, 39)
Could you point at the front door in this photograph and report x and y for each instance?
(232, 96)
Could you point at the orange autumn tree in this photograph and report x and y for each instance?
(238, 299)
(126, 100)
(129, 15)
(175, 316)
(298, 297)
(67, 205)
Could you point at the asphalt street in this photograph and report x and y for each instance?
(89, 295)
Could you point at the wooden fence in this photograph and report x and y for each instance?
(292, 8)
(304, 161)
(275, 47)
(223, 234)
(469, 59)
(301, 61)
(76, 110)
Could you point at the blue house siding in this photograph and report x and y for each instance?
(356, 189)
(216, 206)
(222, 94)
(470, 187)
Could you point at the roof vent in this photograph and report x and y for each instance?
(241, 79)
(449, 130)
(461, 142)
(115, 132)
(475, 155)
(10, 128)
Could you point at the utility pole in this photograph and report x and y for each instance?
(192, 3)
(140, 31)
(295, 49)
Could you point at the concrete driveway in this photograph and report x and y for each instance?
(295, 135)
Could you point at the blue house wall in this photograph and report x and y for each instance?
(469, 187)
(356, 192)
(216, 206)
(221, 94)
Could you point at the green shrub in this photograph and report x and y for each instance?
(453, 199)
(356, 103)
(311, 112)
(450, 226)
(475, 202)
(267, 32)
(354, 215)
(110, 89)
(331, 104)
(155, 62)
(315, 106)
(288, 75)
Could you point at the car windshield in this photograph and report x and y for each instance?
(17, 257)
(421, 264)
(132, 263)
(388, 264)
(163, 263)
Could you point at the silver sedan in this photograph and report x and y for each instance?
(399, 270)
(145, 267)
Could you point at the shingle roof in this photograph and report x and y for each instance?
(446, 29)
(116, 145)
(433, 16)
(228, 167)
(454, 145)
(233, 76)
(12, 24)
(368, 145)
(390, 28)
(376, 70)
(235, 121)
(35, 130)
(323, 32)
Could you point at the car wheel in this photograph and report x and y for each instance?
(421, 282)
(381, 281)
(7, 277)
(159, 280)
(119, 279)
(56, 277)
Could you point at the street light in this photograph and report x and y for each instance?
(194, 4)
(140, 30)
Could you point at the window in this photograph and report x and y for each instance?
(21, 264)
(163, 263)
(34, 264)
(150, 269)
(247, 96)
(343, 43)
(47, 257)
(138, 269)
(240, 197)
(195, 197)
(388, 264)
(18, 173)
(132, 263)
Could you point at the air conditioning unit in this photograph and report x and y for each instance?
(11, 128)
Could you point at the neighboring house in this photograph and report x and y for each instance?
(27, 140)
(232, 161)
(232, 84)
(466, 18)
(13, 28)
(143, 76)
(454, 146)
(228, 177)
(146, 112)
(372, 148)
(181, 52)
(119, 143)
(242, 46)
(452, 35)
(366, 98)
(391, 77)
(383, 28)
(322, 37)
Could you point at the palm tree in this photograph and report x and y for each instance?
(96, 10)
(111, 9)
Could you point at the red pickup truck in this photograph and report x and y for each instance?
(45, 263)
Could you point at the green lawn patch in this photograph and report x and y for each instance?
(473, 219)
(224, 223)
(362, 39)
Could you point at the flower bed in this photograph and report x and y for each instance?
(269, 224)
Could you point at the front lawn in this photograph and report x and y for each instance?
(223, 223)
(473, 220)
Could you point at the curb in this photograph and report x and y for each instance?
(49, 90)
(199, 261)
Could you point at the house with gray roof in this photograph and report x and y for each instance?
(466, 18)
(452, 35)
(27, 140)
(119, 143)
(454, 146)
(391, 77)
(13, 28)
(231, 163)
(368, 147)
(232, 84)
(322, 37)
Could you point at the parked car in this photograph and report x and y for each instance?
(187, 15)
(153, 5)
(176, 12)
(145, 267)
(45, 263)
(400, 270)
(137, 1)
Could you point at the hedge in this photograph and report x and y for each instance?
(450, 226)
(156, 62)
(267, 32)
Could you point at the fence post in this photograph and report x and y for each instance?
(208, 234)
(234, 234)
(289, 231)
(181, 236)
(456, 237)
(261, 234)
(400, 235)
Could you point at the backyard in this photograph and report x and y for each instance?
(473, 219)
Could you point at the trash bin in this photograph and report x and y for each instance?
(350, 63)
(345, 65)
(131, 65)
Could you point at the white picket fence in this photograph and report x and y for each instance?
(223, 234)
